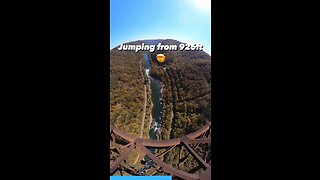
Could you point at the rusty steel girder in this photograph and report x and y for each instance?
(142, 145)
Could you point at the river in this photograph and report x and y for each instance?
(156, 108)
(155, 97)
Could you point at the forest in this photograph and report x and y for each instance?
(127, 91)
(186, 79)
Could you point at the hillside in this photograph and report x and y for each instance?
(186, 78)
(127, 90)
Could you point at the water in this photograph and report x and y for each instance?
(156, 95)
(156, 109)
(147, 63)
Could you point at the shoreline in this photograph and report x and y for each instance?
(151, 108)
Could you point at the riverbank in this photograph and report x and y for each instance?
(155, 106)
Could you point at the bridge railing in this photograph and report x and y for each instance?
(142, 144)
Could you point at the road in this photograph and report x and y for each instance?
(143, 113)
